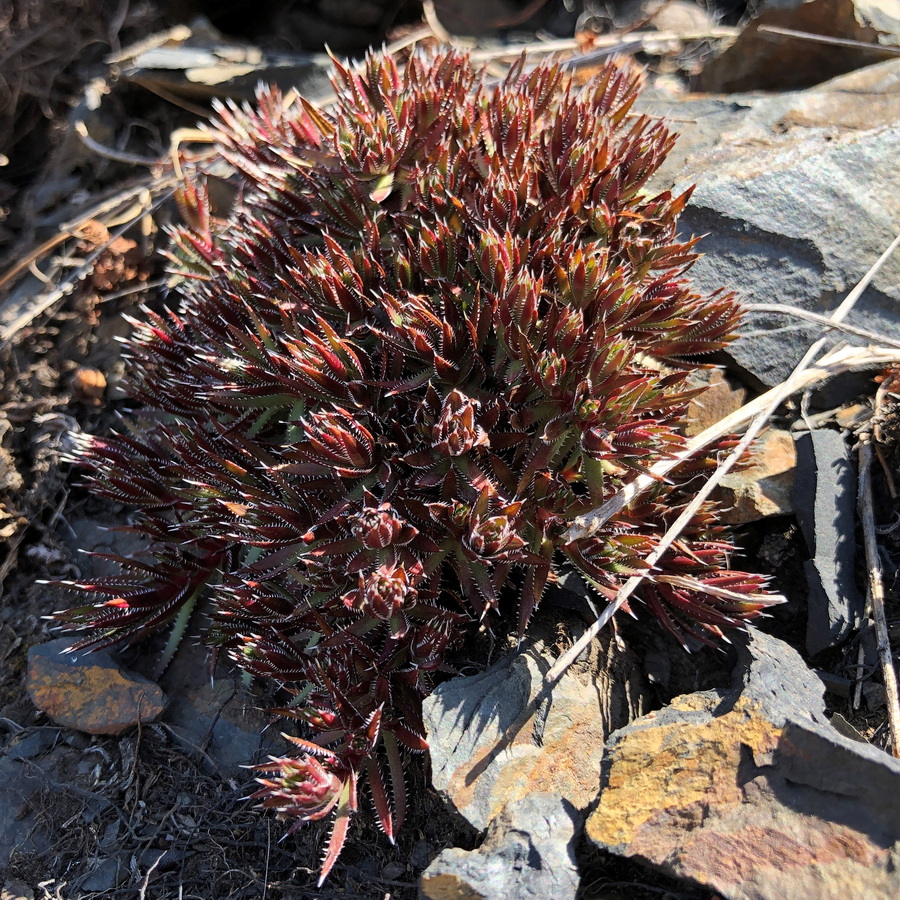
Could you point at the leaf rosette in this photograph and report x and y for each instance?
(443, 320)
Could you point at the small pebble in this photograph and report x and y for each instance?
(88, 386)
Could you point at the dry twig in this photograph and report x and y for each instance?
(785, 309)
(828, 39)
(876, 592)
(880, 395)
(831, 364)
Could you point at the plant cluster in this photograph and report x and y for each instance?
(442, 321)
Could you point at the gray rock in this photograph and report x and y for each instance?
(16, 890)
(825, 504)
(105, 876)
(874, 695)
(701, 122)
(20, 829)
(797, 194)
(772, 674)
(859, 101)
(751, 792)
(798, 222)
(528, 854)
(558, 750)
(420, 854)
(216, 718)
(85, 537)
(33, 743)
(571, 593)
(839, 685)
(111, 836)
(842, 726)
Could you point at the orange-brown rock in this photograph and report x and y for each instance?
(764, 487)
(89, 691)
(752, 793)
(88, 386)
(719, 399)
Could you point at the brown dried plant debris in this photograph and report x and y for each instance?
(120, 264)
(148, 812)
(48, 51)
(53, 382)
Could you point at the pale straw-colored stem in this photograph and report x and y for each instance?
(876, 592)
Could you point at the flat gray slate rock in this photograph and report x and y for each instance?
(799, 222)
(528, 854)
(825, 504)
(797, 195)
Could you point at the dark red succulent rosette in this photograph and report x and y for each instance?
(444, 319)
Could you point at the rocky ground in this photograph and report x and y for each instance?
(759, 771)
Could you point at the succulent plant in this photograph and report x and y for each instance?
(442, 321)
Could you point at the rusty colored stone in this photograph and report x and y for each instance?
(89, 691)
(88, 386)
(752, 793)
(764, 487)
(718, 400)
